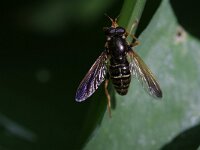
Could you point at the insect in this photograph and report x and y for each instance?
(118, 63)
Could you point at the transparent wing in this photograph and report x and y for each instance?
(140, 70)
(95, 76)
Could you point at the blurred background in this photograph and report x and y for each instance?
(46, 47)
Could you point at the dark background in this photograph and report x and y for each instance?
(46, 47)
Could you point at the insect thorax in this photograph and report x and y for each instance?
(117, 47)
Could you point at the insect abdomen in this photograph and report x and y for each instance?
(121, 77)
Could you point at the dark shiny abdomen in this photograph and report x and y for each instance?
(121, 77)
(119, 66)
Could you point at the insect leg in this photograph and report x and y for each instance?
(108, 96)
(134, 24)
(135, 42)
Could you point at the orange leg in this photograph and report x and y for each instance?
(133, 44)
(108, 97)
(136, 42)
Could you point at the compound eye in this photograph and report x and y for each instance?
(112, 31)
(109, 31)
(120, 30)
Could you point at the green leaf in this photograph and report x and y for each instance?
(139, 121)
(131, 12)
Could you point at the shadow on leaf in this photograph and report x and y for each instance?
(189, 139)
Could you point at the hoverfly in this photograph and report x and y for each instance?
(118, 63)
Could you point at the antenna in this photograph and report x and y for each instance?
(114, 22)
(108, 17)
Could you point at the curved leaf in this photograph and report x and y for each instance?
(139, 122)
